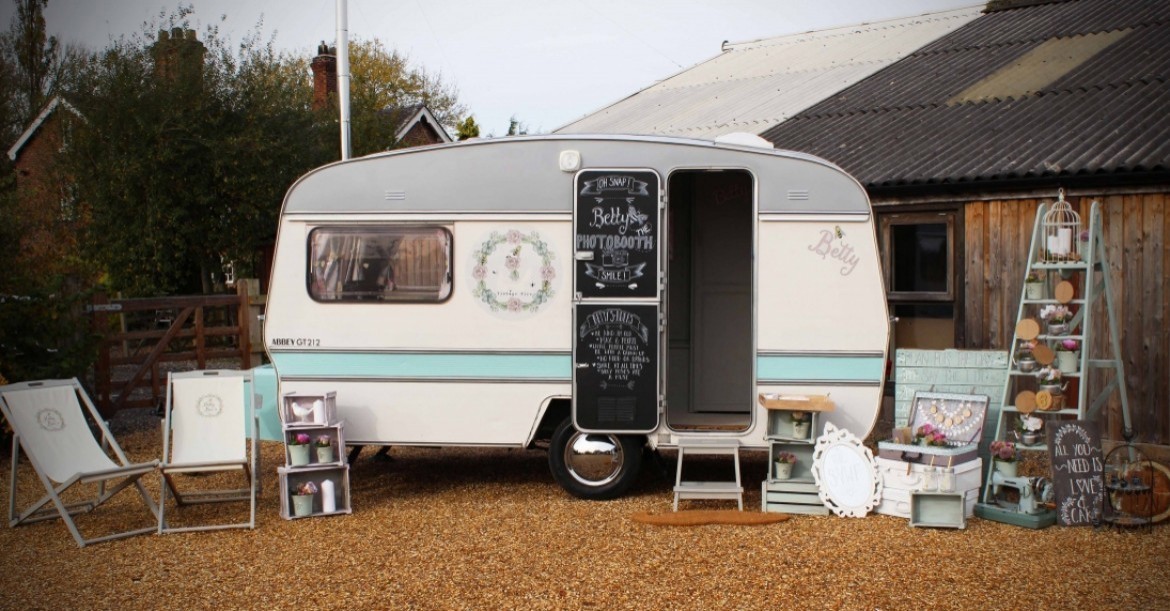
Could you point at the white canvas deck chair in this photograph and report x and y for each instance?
(205, 432)
(52, 430)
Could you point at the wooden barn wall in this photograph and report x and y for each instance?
(997, 237)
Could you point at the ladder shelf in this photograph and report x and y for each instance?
(1087, 272)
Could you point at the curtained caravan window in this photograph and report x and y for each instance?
(393, 263)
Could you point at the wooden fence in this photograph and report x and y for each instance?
(138, 335)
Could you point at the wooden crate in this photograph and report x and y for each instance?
(291, 479)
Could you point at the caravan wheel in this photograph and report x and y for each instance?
(594, 466)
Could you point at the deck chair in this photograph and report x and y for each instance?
(205, 432)
(52, 430)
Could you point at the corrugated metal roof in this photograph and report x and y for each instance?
(754, 85)
(957, 112)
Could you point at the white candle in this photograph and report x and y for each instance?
(328, 500)
(1065, 240)
(1052, 248)
(319, 412)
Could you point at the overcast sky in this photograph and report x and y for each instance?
(546, 62)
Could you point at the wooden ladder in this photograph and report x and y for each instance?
(1094, 287)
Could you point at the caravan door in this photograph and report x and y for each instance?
(617, 301)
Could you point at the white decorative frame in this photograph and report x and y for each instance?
(846, 474)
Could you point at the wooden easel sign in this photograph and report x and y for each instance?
(1074, 447)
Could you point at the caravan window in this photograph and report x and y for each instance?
(388, 263)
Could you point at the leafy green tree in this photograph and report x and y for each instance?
(467, 129)
(381, 81)
(35, 52)
(183, 169)
(43, 329)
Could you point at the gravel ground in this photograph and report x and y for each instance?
(478, 528)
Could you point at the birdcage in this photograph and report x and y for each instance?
(1062, 230)
(1129, 498)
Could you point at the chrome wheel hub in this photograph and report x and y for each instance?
(593, 459)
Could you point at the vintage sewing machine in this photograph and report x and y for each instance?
(1033, 493)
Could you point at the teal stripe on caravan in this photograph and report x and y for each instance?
(427, 365)
(809, 368)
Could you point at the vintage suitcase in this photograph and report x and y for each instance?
(900, 478)
(960, 417)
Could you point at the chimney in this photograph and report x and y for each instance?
(178, 57)
(324, 76)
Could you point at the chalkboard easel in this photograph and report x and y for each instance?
(1074, 448)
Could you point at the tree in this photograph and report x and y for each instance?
(381, 81)
(36, 54)
(180, 176)
(43, 332)
(467, 129)
(516, 127)
(185, 166)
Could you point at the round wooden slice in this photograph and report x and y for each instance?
(1043, 354)
(1027, 328)
(1064, 291)
(1044, 400)
(1026, 402)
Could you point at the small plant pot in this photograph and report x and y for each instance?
(302, 504)
(800, 430)
(298, 455)
(1030, 438)
(1027, 364)
(1008, 469)
(1033, 290)
(783, 470)
(324, 454)
(1060, 328)
(1066, 361)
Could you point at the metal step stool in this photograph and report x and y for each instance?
(708, 489)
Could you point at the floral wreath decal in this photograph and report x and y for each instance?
(513, 242)
(210, 405)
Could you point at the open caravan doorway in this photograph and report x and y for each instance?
(710, 328)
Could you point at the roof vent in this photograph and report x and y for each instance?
(744, 139)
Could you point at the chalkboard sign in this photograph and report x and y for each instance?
(616, 234)
(1074, 447)
(616, 372)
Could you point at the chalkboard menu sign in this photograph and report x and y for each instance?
(1074, 448)
(616, 373)
(616, 234)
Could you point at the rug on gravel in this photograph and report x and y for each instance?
(702, 517)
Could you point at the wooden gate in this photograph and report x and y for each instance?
(139, 334)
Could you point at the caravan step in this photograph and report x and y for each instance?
(719, 490)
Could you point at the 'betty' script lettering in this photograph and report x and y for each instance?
(831, 246)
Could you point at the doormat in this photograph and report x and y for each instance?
(702, 517)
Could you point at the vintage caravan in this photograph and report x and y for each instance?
(603, 294)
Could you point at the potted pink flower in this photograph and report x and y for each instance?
(298, 449)
(800, 424)
(1067, 351)
(1057, 317)
(324, 445)
(1025, 360)
(303, 497)
(784, 463)
(1004, 454)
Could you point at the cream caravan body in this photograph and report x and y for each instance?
(600, 292)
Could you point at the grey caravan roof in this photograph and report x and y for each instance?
(522, 175)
